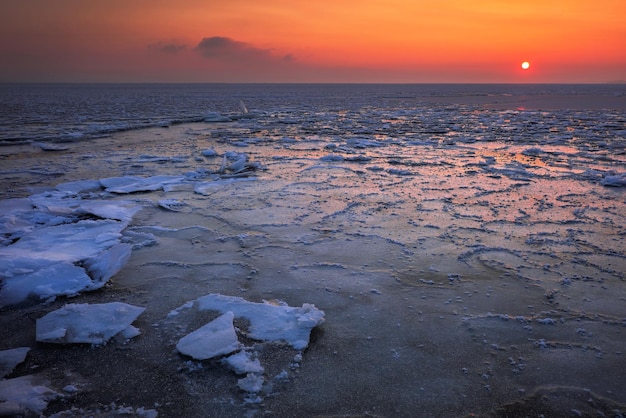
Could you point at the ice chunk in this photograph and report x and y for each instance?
(80, 186)
(120, 210)
(617, 180)
(11, 358)
(172, 204)
(106, 264)
(86, 323)
(214, 339)
(268, 322)
(24, 396)
(243, 362)
(209, 153)
(130, 184)
(252, 383)
(66, 242)
(56, 279)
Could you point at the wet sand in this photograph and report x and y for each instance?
(457, 279)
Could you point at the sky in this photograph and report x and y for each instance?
(315, 41)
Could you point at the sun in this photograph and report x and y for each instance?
(525, 65)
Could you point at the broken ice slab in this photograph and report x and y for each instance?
(216, 338)
(268, 322)
(66, 242)
(56, 279)
(11, 358)
(25, 396)
(128, 184)
(87, 323)
(105, 265)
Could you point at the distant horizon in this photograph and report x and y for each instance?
(607, 83)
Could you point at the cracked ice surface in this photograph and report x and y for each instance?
(468, 255)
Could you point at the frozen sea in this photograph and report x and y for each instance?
(313, 250)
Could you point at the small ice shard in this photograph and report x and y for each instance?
(268, 322)
(172, 204)
(24, 396)
(86, 323)
(252, 383)
(243, 362)
(208, 187)
(332, 157)
(209, 153)
(106, 264)
(617, 180)
(242, 107)
(532, 152)
(11, 358)
(214, 339)
(240, 164)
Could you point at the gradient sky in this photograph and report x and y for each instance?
(396, 41)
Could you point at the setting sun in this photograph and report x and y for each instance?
(311, 41)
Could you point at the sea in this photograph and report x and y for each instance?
(424, 250)
(73, 112)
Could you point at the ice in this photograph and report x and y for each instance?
(447, 240)
(80, 186)
(252, 383)
(54, 280)
(106, 264)
(129, 184)
(268, 322)
(25, 395)
(172, 204)
(11, 358)
(67, 242)
(43, 262)
(214, 339)
(119, 210)
(209, 153)
(86, 323)
(617, 180)
(243, 362)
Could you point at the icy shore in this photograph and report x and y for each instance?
(448, 275)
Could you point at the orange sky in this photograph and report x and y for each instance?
(419, 41)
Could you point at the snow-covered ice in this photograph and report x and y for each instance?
(88, 323)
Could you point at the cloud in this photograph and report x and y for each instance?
(167, 47)
(227, 49)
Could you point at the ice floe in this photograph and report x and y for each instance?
(274, 322)
(88, 323)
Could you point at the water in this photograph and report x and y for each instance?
(466, 242)
(70, 112)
